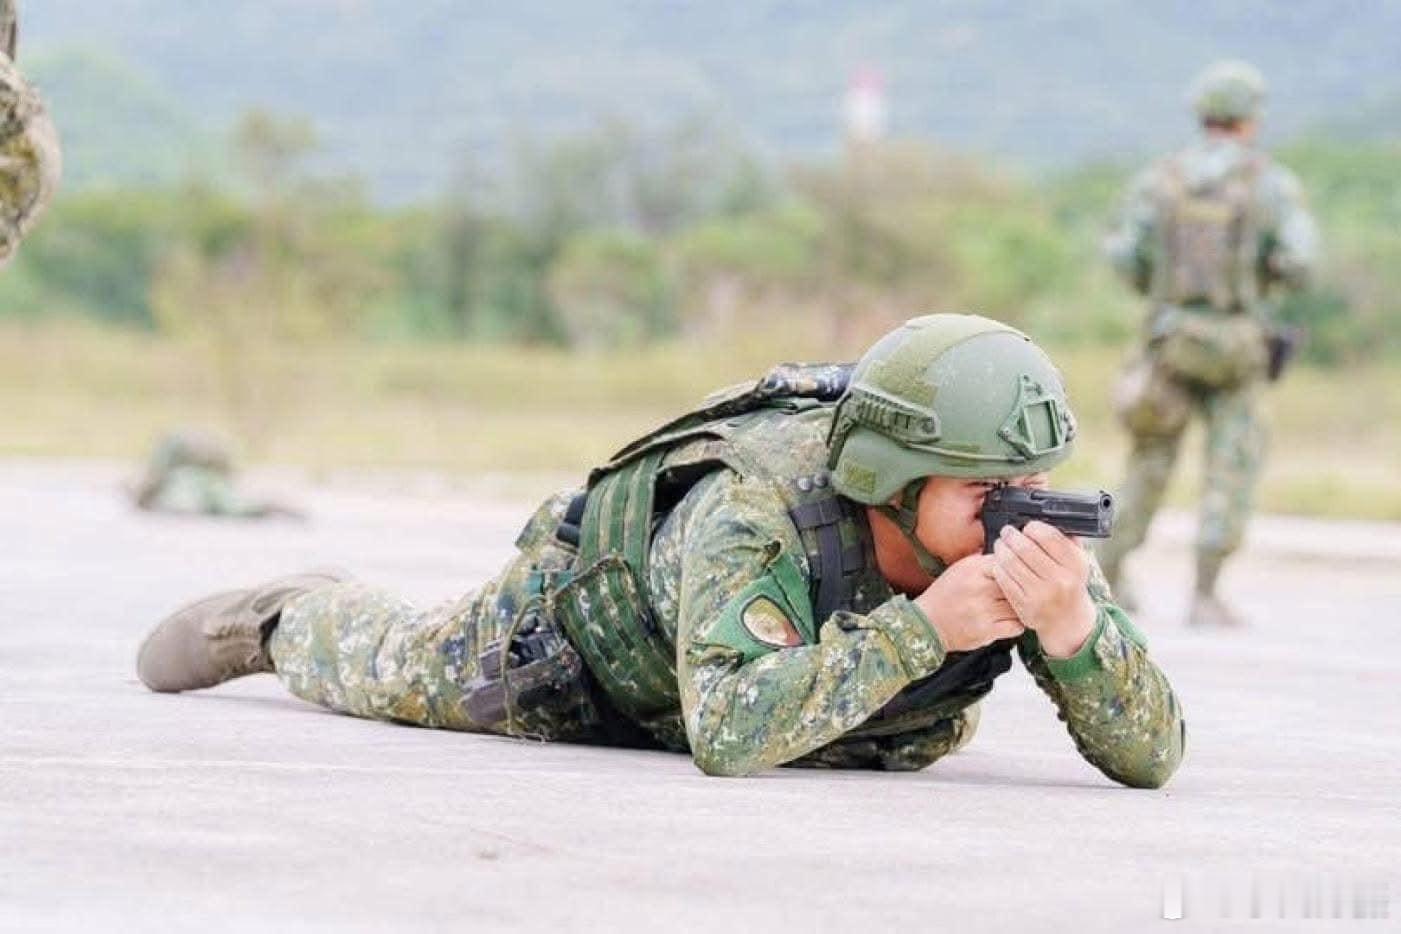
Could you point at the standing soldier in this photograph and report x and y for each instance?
(1207, 234)
(29, 153)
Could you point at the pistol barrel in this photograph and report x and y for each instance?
(1084, 515)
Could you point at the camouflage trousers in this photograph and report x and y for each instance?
(365, 652)
(1235, 448)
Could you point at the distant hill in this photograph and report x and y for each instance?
(402, 90)
(119, 125)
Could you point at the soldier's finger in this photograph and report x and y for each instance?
(1012, 589)
(1031, 553)
(1008, 628)
(999, 606)
(1012, 564)
(1060, 547)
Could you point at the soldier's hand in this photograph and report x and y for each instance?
(967, 607)
(1044, 575)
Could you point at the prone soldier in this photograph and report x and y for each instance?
(192, 473)
(792, 574)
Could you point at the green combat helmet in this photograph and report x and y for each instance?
(946, 395)
(1228, 90)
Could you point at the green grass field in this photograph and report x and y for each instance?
(530, 414)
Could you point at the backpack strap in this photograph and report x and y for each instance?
(835, 536)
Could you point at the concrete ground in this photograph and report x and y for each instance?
(242, 808)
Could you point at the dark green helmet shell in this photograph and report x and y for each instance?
(948, 395)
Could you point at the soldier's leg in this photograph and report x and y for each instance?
(1235, 449)
(365, 652)
(1146, 479)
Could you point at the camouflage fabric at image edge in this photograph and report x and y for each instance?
(30, 159)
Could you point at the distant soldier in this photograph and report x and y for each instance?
(192, 473)
(1207, 234)
(30, 162)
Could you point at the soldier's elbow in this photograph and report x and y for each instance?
(724, 760)
(1153, 772)
(725, 766)
(1154, 776)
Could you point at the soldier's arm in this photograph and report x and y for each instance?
(1128, 246)
(1118, 706)
(749, 701)
(1292, 244)
(907, 751)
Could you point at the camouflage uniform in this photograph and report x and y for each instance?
(1204, 349)
(30, 161)
(192, 473)
(760, 681)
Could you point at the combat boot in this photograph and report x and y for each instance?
(1209, 610)
(220, 637)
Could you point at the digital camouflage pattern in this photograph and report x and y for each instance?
(362, 651)
(1288, 244)
(754, 693)
(1197, 358)
(1236, 440)
(30, 159)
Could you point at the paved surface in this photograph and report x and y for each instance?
(243, 808)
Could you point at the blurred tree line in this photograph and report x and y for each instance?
(617, 237)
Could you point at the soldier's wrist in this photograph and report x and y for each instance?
(1073, 633)
(1083, 662)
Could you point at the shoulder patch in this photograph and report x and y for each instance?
(773, 612)
(766, 621)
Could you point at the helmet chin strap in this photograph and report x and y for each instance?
(906, 518)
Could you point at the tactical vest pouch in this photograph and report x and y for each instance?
(1209, 241)
(605, 609)
(1149, 402)
(1203, 243)
(1209, 348)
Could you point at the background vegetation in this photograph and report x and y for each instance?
(531, 304)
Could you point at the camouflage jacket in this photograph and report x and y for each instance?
(30, 161)
(1288, 233)
(747, 705)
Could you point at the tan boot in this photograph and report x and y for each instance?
(1208, 610)
(220, 637)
